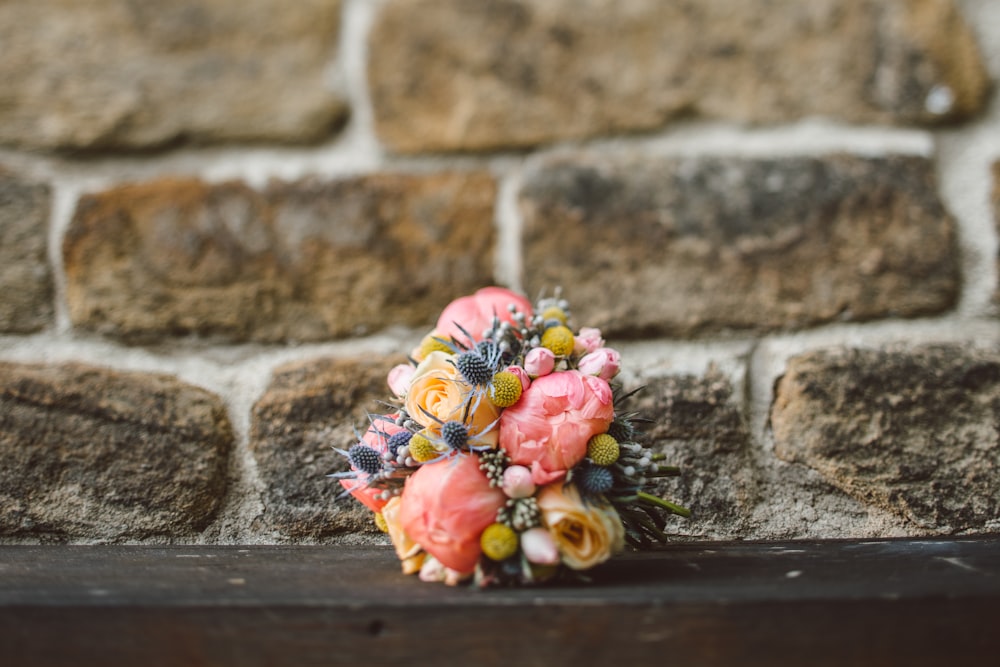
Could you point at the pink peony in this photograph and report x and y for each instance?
(446, 507)
(549, 427)
(475, 313)
(359, 488)
(602, 362)
(539, 361)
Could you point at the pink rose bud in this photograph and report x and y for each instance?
(522, 375)
(604, 363)
(517, 482)
(588, 340)
(539, 361)
(399, 379)
(539, 547)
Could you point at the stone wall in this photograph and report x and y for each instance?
(222, 222)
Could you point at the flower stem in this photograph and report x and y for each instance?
(665, 504)
(665, 471)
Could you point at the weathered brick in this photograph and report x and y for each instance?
(306, 261)
(698, 426)
(912, 430)
(91, 453)
(705, 245)
(26, 301)
(474, 75)
(121, 74)
(309, 408)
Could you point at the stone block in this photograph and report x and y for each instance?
(996, 220)
(96, 454)
(460, 75)
(693, 246)
(115, 74)
(910, 430)
(301, 261)
(699, 427)
(309, 408)
(26, 291)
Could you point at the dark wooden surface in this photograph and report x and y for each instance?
(909, 602)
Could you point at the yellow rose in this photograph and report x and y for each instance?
(410, 554)
(436, 388)
(586, 535)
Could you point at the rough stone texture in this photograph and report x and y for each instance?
(910, 430)
(305, 261)
(691, 246)
(119, 74)
(26, 302)
(95, 454)
(996, 220)
(309, 408)
(700, 428)
(475, 75)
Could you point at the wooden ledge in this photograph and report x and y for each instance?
(896, 602)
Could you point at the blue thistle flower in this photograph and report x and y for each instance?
(454, 434)
(475, 369)
(594, 480)
(365, 459)
(397, 440)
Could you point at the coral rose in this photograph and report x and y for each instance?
(436, 388)
(475, 313)
(586, 534)
(375, 437)
(548, 429)
(445, 508)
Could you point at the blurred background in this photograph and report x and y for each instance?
(222, 222)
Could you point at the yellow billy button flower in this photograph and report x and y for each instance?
(499, 541)
(433, 343)
(422, 449)
(380, 522)
(554, 313)
(559, 340)
(603, 449)
(505, 389)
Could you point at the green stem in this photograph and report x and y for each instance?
(665, 504)
(665, 471)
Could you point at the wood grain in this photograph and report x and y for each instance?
(895, 602)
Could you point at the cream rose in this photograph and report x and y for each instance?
(586, 535)
(410, 554)
(436, 388)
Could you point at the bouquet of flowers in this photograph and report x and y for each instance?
(505, 455)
